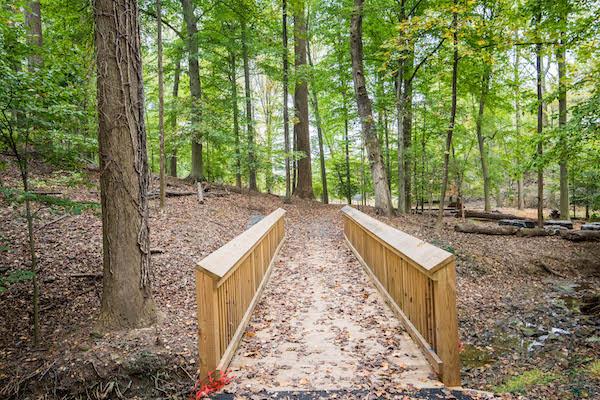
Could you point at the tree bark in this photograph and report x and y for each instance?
(249, 120)
(562, 122)
(315, 105)
(383, 200)
(189, 16)
(286, 123)
(540, 125)
(304, 187)
(485, 229)
(236, 119)
(173, 120)
(127, 297)
(452, 114)
(485, 87)
(161, 103)
(33, 20)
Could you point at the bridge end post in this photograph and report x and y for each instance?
(208, 326)
(446, 323)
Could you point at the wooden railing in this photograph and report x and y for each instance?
(229, 283)
(417, 280)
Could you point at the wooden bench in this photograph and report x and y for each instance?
(229, 283)
(417, 280)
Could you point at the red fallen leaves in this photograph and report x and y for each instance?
(213, 385)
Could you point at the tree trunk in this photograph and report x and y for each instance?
(562, 122)
(286, 127)
(485, 229)
(236, 119)
(304, 186)
(485, 87)
(344, 90)
(315, 105)
(383, 200)
(452, 114)
(33, 20)
(173, 120)
(249, 120)
(520, 183)
(127, 297)
(540, 124)
(407, 117)
(197, 172)
(161, 102)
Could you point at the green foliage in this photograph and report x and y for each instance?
(19, 275)
(17, 197)
(522, 382)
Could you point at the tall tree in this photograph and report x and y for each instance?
(540, 117)
(191, 24)
(33, 19)
(450, 131)
(383, 199)
(161, 102)
(286, 123)
(485, 87)
(127, 297)
(173, 119)
(315, 105)
(249, 121)
(236, 118)
(562, 111)
(304, 187)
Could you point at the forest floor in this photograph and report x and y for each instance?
(527, 307)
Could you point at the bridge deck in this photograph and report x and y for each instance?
(322, 325)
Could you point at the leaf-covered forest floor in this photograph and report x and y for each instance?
(526, 305)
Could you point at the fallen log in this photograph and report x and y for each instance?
(519, 223)
(488, 215)
(591, 226)
(580, 236)
(171, 193)
(532, 232)
(486, 229)
(565, 223)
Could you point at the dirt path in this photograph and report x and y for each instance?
(322, 325)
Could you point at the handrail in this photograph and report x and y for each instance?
(417, 280)
(229, 283)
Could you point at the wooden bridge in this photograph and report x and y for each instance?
(323, 323)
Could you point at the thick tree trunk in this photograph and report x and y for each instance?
(173, 121)
(562, 122)
(485, 87)
(286, 123)
(197, 172)
(127, 297)
(452, 115)
(236, 119)
(249, 120)
(315, 105)
(383, 200)
(161, 103)
(304, 186)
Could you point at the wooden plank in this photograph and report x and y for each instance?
(208, 325)
(433, 359)
(220, 262)
(239, 333)
(427, 257)
(446, 324)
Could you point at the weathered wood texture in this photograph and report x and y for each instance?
(419, 279)
(229, 283)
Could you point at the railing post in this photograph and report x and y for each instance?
(208, 324)
(446, 323)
